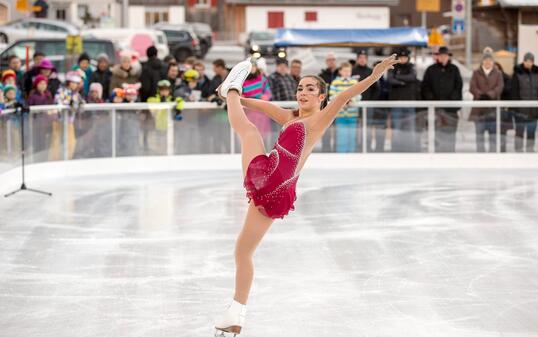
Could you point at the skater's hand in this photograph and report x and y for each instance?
(386, 64)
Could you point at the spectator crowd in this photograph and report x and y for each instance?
(169, 81)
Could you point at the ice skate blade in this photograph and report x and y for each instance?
(236, 330)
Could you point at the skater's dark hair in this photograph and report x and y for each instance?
(322, 85)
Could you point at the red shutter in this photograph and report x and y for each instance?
(213, 3)
(275, 19)
(311, 16)
(191, 3)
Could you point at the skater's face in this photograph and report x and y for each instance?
(308, 94)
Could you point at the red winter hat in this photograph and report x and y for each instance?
(40, 78)
(8, 73)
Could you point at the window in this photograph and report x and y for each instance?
(174, 35)
(60, 14)
(202, 3)
(156, 15)
(311, 16)
(275, 19)
(20, 50)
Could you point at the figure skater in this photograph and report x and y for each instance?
(270, 180)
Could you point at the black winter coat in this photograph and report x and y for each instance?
(442, 83)
(403, 82)
(328, 76)
(102, 77)
(525, 87)
(364, 71)
(153, 71)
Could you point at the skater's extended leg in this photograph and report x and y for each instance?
(251, 140)
(254, 228)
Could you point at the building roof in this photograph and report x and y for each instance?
(316, 2)
(518, 3)
(153, 3)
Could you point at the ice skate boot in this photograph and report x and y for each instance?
(232, 320)
(235, 78)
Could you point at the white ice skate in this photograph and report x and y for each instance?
(232, 320)
(235, 78)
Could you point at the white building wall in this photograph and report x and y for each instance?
(176, 14)
(328, 17)
(528, 41)
(137, 17)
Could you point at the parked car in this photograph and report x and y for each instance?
(133, 39)
(31, 28)
(182, 40)
(54, 49)
(261, 43)
(205, 35)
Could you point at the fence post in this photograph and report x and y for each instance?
(364, 129)
(30, 142)
(113, 130)
(170, 133)
(65, 115)
(498, 126)
(232, 141)
(8, 135)
(431, 129)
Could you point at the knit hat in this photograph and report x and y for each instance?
(117, 92)
(164, 84)
(528, 56)
(40, 78)
(84, 57)
(7, 74)
(131, 89)
(102, 57)
(46, 64)
(486, 56)
(9, 87)
(191, 75)
(97, 87)
(73, 76)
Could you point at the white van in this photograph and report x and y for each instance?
(133, 39)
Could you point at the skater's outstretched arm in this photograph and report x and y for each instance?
(327, 115)
(276, 113)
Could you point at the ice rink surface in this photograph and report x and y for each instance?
(367, 253)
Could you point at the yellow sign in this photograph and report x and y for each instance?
(428, 5)
(22, 6)
(73, 44)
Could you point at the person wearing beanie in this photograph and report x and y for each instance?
(125, 72)
(9, 77)
(486, 84)
(403, 86)
(102, 75)
(46, 68)
(95, 95)
(165, 95)
(153, 71)
(187, 88)
(525, 87)
(131, 92)
(84, 65)
(40, 95)
(10, 96)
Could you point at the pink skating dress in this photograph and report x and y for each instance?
(270, 180)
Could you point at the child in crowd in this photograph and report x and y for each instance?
(40, 95)
(131, 92)
(96, 93)
(187, 88)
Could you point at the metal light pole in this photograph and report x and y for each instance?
(468, 34)
(124, 12)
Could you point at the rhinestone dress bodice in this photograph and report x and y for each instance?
(271, 179)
